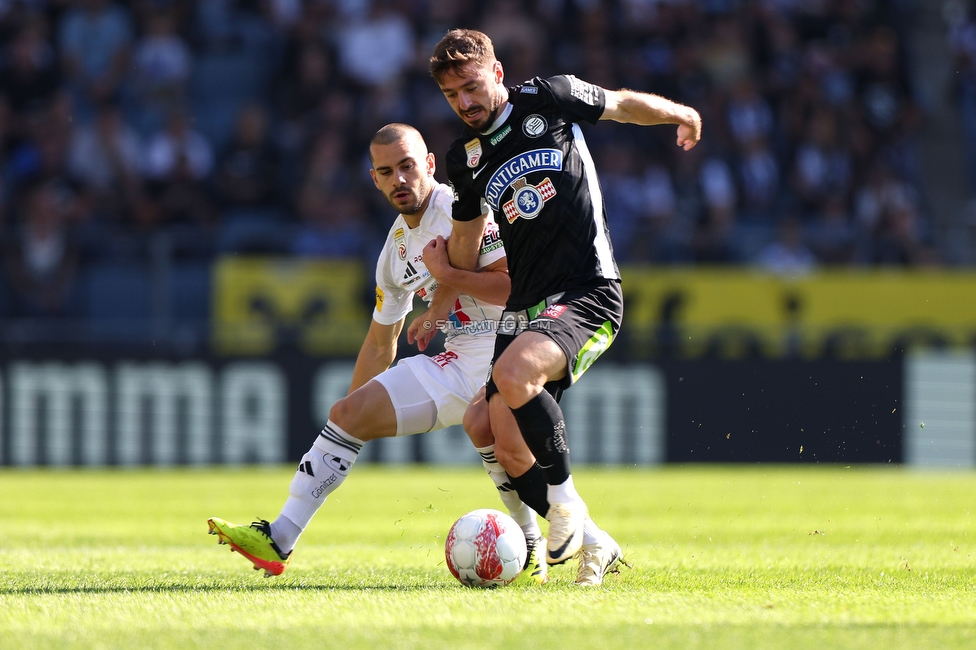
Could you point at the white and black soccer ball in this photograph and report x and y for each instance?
(485, 548)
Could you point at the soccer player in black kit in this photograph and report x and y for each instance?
(525, 159)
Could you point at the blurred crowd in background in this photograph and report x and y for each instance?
(195, 129)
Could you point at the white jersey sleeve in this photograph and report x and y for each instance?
(492, 248)
(393, 302)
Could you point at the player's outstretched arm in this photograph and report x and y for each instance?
(632, 107)
(465, 244)
(377, 353)
(490, 283)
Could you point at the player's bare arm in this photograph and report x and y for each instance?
(377, 353)
(463, 251)
(490, 283)
(465, 244)
(632, 107)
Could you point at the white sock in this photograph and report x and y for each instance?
(591, 532)
(284, 529)
(523, 515)
(565, 492)
(321, 471)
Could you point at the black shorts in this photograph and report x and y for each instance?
(582, 322)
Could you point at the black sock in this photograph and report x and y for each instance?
(544, 430)
(531, 488)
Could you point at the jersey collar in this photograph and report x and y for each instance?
(499, 120)
(427, 217)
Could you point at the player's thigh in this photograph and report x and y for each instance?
(531, 360)
(367, 413)
(477, 423)
(414, 395)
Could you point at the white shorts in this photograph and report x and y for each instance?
(430, 393)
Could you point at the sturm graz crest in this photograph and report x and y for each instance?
(527, 199)
(534, 125)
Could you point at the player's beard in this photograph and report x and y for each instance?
(417, 202)
(490, 116)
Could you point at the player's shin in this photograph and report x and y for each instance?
(531, 488)
(320, 472)
(523, 515)
(544, 429)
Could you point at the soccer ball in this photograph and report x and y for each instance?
(485, 548)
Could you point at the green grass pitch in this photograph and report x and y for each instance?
(722, 557)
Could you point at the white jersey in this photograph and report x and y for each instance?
(401, 274)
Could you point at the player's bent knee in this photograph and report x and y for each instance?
(513, 384)
(356, 415)
(367, 413)
(477, 424)
(343, 414)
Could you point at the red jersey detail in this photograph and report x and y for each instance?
(461, 316)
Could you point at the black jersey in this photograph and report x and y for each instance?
(534, 172)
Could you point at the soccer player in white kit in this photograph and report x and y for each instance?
(421, 393)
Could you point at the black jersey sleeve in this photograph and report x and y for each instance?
(578, 99)
(467, 202)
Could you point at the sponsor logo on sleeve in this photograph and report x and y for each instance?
(492, 239)
(534, 125)
(529, 90)
(400, 240)
(583, 90)
(379, 299)
(473, 149)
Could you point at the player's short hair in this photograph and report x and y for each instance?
(458, 48)
(391, 133)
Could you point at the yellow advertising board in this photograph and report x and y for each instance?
(260, 303)
(323, 307)
(848, 313)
